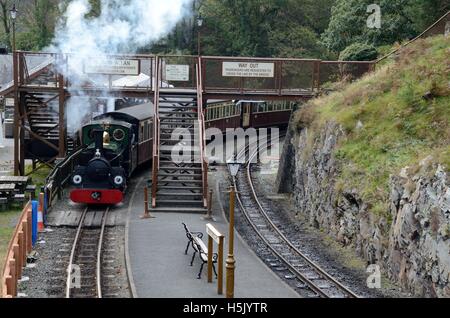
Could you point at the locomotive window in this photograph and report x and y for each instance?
(91, 133)
(119, 134)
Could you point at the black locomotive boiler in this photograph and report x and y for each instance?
(115, 144)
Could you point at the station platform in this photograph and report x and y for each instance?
(160, 269)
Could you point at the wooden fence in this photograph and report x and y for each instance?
(19, 247)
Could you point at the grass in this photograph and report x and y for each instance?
(8, 219)
(392, 118)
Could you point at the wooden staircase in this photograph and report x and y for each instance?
(179, 179)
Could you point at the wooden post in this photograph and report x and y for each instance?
(9, 286)
(210, 260)
(12, 269)
(215, 236)
(147, 214)
(208, 216)
(18, 261)
(25, 238)
(22, 248)
(220, 269)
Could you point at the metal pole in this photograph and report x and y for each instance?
(230, 259)
(16, 116)
(14, 36)
(198, 46)
(208, 216)
(147, 214)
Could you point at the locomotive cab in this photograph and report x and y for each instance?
(102, 172)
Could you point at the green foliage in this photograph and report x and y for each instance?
(388, 122)
(400, 19)
(359, 52)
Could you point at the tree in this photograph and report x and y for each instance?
(400, 20)
(348, 24)
(5, 20)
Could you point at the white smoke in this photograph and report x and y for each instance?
(121, 27)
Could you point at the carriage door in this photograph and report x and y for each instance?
(246, 115)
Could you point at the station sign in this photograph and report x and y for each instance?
(126, 67)
(247, 69)
(9, 102)
(177, 73)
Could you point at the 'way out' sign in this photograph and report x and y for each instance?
(244, 69)
(112, 67)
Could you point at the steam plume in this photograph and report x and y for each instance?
(121, 27)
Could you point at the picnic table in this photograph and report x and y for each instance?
(13, 189)
(20, 182)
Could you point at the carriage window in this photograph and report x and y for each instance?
(141, 138)
(270, 107)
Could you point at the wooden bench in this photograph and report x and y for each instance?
(202, 250)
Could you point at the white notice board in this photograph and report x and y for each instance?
(127, 67)
(179, 73)
(246, 69)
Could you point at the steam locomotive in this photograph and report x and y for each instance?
(115, 144)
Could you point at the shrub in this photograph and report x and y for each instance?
(359, 52)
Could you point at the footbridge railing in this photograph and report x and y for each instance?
(59, 177)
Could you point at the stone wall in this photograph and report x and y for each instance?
(412, 245)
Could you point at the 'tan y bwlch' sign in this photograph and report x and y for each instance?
(247, 69)
(112, 67)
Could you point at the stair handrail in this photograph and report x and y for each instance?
(201, 134)
(156, 131)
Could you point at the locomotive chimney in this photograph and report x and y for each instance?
(98, 138)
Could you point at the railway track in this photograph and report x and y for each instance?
(90, 271)
(285, 254)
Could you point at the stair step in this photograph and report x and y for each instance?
(178, 201)
(178, 181)
(178, 210)
(177, 113)
(177, 174)
(181, 168)
(176, 121)
(173, 107)
(179, 194)
(175, 125)
(161, 187)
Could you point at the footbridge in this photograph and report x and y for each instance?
(178, 86)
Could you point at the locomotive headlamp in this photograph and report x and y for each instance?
(118, 180)
(77, 179)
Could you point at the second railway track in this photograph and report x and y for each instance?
(285, 253)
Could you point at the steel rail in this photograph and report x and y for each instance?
(99, 255)
(72, 253)
(312, 264)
